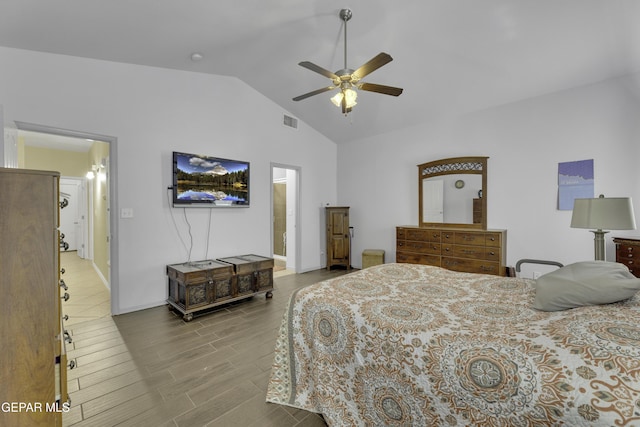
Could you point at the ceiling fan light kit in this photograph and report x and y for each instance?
(348, 80)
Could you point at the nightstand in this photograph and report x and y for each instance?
(628, 253)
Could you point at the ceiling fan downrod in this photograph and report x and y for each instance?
(345, 15)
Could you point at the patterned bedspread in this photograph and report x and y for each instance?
(414, 345)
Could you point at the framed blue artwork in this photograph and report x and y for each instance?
(575, 181)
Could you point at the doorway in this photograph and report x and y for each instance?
(285, 190)
(78, 154)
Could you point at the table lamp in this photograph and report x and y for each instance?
(610, 213)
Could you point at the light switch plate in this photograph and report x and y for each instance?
(126, 213)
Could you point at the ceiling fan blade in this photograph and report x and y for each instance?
(387, 90)
(373, 64)
(318, 69)
(315, 92)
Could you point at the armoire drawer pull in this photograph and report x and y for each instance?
(65, 296)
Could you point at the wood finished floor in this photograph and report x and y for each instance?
(90, 298)
(150, 368)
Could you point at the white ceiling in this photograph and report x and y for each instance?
(59, 142)
(450, 56)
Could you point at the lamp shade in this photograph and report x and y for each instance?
(608, 213)
(350, 95)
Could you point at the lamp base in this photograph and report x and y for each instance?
(598, 244)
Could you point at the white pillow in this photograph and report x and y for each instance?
(585, 283)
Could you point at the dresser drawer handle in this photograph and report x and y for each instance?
(492, 253)
(493, 239)
(630, 262)
(630, 255)
(630, 248)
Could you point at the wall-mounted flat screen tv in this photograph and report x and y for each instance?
(205, 181)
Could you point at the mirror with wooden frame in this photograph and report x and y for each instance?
(453, 193)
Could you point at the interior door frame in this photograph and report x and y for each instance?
(297, 253)
(114, 265)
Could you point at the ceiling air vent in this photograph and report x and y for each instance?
(292, 122)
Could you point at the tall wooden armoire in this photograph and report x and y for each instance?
(338, 237)
(33, 369)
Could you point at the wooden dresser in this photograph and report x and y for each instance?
(628, 253)
(466, 250)
(33, 368)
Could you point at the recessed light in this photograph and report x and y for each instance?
(195, 57)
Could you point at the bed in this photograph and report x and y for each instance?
(416, 345)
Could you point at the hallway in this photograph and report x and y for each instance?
(89, 298)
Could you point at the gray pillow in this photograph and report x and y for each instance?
(584, 283)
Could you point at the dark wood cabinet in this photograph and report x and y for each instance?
(471, 251)
(628, 253)
(201, 285)
(34, 361)
(338, 237)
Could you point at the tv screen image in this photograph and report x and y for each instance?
(206, 181)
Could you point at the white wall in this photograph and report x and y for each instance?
(152, 112)
(525, 142)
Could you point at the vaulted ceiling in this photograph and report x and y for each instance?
(450, 56)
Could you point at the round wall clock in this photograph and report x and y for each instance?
(459, 183)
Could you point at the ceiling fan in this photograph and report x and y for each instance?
(348, 80)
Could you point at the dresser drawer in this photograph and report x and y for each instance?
(419, 247)
(471, 266)
(469, 239)
(418, 234)
(415, 258)
(472, 252)
(493, 240)
(629, 256)
(628, 252)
